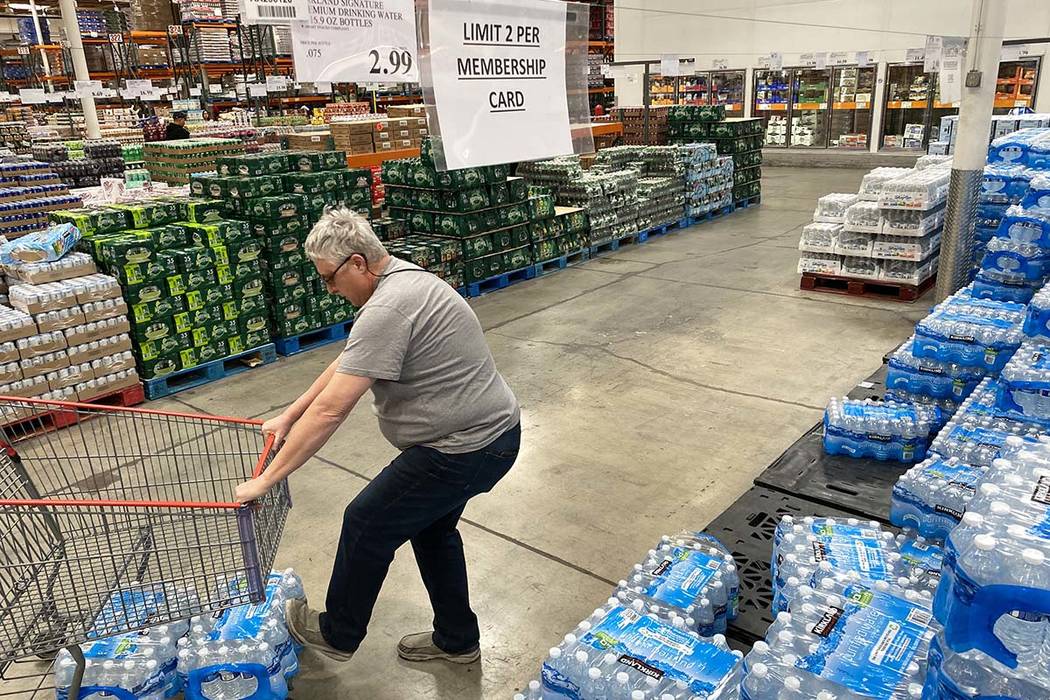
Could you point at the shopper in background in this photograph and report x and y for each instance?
(421, 350)
(176, 128)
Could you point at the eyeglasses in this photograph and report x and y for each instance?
(327, 279)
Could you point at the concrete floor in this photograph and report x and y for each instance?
(655, 384)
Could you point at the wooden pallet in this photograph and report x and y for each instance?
(500, 281)
(313, 339)
(167, 385)
(562, 262)
(29, 426)
(894, 291)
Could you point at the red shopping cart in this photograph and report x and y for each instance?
(124, 520)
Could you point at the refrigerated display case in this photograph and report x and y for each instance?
(1015, 86)
(727, 88)
(772, 97)
(663, 91)
(693, 90)
(852, 99)
(904, 123)
(808, 115)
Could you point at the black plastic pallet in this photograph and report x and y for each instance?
(860, 487)
(874, 387)
(747, 528)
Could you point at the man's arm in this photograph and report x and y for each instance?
(314, 427)
(295, 411)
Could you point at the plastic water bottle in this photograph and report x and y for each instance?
(932, 496)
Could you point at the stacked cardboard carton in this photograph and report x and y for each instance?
(633, 120)
(174, 161)
(485, 210)
(740, 138)
(65, 335)
(561, 234)
(280, 196)
(378, 134)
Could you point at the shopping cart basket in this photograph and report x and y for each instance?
(124, 520)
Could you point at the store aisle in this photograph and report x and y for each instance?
(655, 383)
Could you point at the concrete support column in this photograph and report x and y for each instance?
(80, 70)
(878, 98)
(971, 146)
(749, 91)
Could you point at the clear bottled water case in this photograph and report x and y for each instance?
(930, 377)
(879, 430)
(931, 497)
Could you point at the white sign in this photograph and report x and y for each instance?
(931, 57)
(288, 11)
(23, 50)
(776, 61)
(334, 46)
(32, 96)
(134, 87)
(276, 83)
(670, 65)
(175, 29)
(153, 94)
(822, 60)
(257, 89)
(807, 60)
(498, 69)
(1015, 53)
(914, 55)
(89, 88)
(838, 58)
(950, 78)
(719, 63)
(116, 38)
(323, 86)
(863, 59)
(56, 97)
(195, 92)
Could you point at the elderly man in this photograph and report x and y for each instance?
(440, 400)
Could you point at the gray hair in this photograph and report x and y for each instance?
(339, 234)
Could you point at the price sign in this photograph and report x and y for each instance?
(776, 61)
(863, 58)
(195, 92)
(719, 63)
(116, 38)
(257, 90)
(276, 83)
(32, 96)
(808, 59)
(89, 88)
(915, 55)
(175, 30)
(327, 49)
(23, 50)
(838, 58)
(136, 88)
(323, 86)
(670, 66)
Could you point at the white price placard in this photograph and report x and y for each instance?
(195, 92)
(719, 63)
(931, 56)
(838, 58)
(134, 87)
(88, 88)
(288, 11)
(808, 60)
(276, 83)
(257, 89)
(863, 58)
(23, 50)
(670, 65)
(776, 61)
(914, 55)
(331, 46)
(152, 95)
(820, 60)
(32, 96)
(1015, 53)
(323, 86)
(56, 97)
(498, 70)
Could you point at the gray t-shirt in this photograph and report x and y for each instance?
(436, 382)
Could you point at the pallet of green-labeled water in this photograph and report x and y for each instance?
(181, 380)
(312, 339)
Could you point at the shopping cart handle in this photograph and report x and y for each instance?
(196, 678)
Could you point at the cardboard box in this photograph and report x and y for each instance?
(9, 352)
(88, 352)
(10, 372)
(72, 265)
(95, 288)
(69, 376)
(43, 364)
(42, 344)
(25, 388)
(60, 319)
(417, 110)
(99, 310)
(110, 364)
(35, 299)
(313, 141)
(96, 331)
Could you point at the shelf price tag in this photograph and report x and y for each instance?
(89, 88)
(136, 88)
(32, 96)
(174, 30)
(838, 58)
(116, 38)
(334, 45)
(257, 90)
(23, 50)
(276, 83)
(288, 11)
(719, 63)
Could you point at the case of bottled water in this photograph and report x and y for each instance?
(1037, 317)
(134, 666)
(919, 189)
(880, 430)
(843, 640)
(831, 208)
(994, 595)
(1005, 182)
(689, 577)
(1024, 385)
(1025, 226)
(976, 434)
(1014, 261)
(972, 332)
(619, 653)
(1038, 194)
(971, 675)
(947, 406)
(819, 237)
(932, 496)
(1014, 147)
(863, 217)
(871, 184)
(243, 652)
(930, 377)
(988, 284)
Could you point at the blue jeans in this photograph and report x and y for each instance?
(419, 497)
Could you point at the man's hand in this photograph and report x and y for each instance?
(278, 426)
(252, 489)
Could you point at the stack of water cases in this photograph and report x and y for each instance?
(241, 652)
(994, 599)
(808, 550)
(890, 231)
(880, 430)
(660, 634)
(1013, 218)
